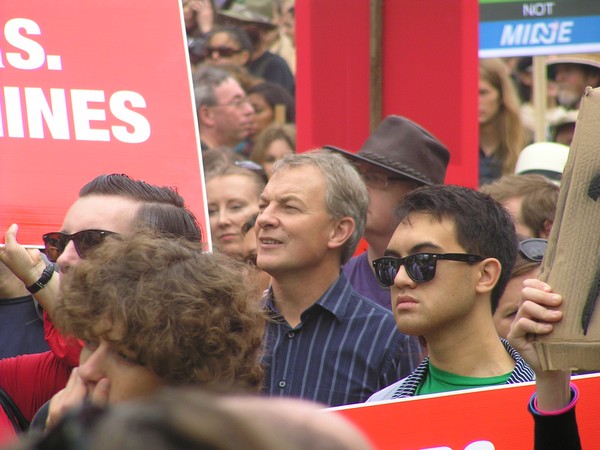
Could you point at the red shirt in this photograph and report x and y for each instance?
(30, 380)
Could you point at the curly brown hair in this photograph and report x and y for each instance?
(186, 315)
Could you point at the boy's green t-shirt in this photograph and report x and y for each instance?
(438, 381)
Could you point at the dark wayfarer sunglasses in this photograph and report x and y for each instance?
(533, 249)
(420, 267)
(83, 240)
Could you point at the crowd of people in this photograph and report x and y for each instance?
(125, 333)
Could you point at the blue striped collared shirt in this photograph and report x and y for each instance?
(345, 348)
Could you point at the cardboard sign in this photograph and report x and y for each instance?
(572, 262)
(89, 88)
(477, 419)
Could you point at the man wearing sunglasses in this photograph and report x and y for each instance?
(447, 264)
(108, 205)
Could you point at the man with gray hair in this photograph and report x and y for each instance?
(224, 112)
(325, 342)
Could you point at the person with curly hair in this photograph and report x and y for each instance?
(157, 311)
(109, 204)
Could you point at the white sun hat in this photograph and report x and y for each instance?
(544, 158)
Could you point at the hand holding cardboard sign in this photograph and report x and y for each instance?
(537, 315)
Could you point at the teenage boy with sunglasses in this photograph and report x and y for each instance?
(447, 264)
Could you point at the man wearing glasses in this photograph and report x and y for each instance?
(224, 112)
(447, 264)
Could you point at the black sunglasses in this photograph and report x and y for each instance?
(533, 249)
(223, 52)
(83, 240)
(420, 267)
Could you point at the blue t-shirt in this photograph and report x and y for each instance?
(21, 328)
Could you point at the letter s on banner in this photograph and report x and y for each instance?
(141, 126)
(36, 55)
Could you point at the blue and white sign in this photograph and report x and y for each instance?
(518, 28)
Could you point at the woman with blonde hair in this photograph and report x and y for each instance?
(232, 193)
(501, 132)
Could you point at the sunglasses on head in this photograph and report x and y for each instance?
(533, 249)
(254, 167)
(82, 240)
(420, 267)
(223, 52)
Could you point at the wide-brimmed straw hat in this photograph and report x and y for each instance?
(404, 148)
(586, 59)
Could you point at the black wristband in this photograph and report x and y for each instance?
(43, 280)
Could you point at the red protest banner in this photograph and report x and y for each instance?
(90, 88)
(479, 419)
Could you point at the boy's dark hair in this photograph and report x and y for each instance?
(483, 226)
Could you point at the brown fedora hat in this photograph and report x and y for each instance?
(401, 146)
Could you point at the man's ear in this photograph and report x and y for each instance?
(341, 232)
(244, 57)
(547, 228)
(205, 116)
(489, 273)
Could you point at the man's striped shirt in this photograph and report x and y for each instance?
(345, 348)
